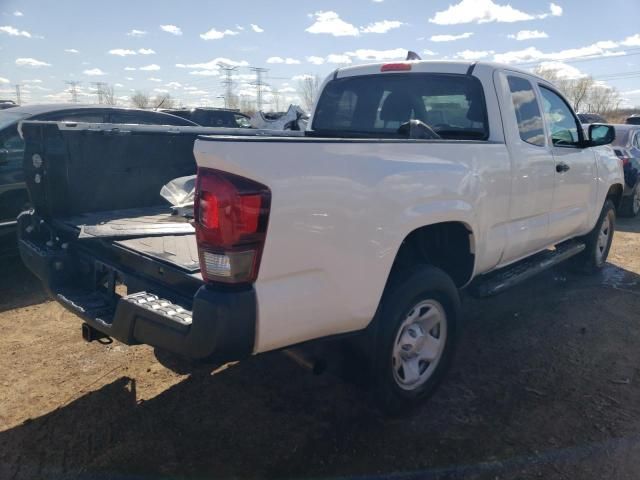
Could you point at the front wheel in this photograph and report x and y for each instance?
(415, 337)
(598, 241)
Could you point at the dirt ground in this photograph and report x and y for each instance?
(546, 384)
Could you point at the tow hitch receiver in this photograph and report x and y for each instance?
(89, 334)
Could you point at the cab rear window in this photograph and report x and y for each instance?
(377, 105)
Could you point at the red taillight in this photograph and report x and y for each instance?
(623, 156)
(231, 215)
(395, 67)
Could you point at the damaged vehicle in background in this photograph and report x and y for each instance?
(627, 147)
(213, 117)
(415, 180)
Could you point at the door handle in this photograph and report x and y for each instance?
(562, 167)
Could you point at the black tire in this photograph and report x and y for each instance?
(408, 290)
(595, 256)
(629, 207)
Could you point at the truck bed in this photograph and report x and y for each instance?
(178, 250)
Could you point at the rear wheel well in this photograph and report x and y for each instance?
(615, 194)
(448, 246)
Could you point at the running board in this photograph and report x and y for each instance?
(497, 282)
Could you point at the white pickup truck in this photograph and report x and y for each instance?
(415, 180)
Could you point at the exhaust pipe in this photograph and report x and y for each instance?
(89, 334)
(317, 366)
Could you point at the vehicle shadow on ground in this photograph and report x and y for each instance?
(18, 286)
(545, 383)
(630, 225)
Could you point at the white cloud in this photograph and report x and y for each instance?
(161, 90)
(14, 32)
(484, 11)
(563, 70)
(154, 79)
(128, 78)
(556, 10)
(287, 90)
(190, 88)
(197, 92)
(146, 51)
(429, 53)
(4, 80)
(137, 33)
(378, 55)
(121, 52)
(150, 68)
(288, 60)
(297, 78)
(71, 50)
(474, 54)
(632, 41)
(172, 29)
(256, 28)
(119, 85)
(18, 13)
(450, 38)
(381, 27)
(529, 35)
(205, 73)
(213, 64)
(94, 72)
(315, 60)
(35, 80)
(31, 62)
(173, 85)
(339, 59)
(532, 54)
(130, 69)
(214, 34)
(330, 23)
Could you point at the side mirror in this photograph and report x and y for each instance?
(601, 134)
(4, 156)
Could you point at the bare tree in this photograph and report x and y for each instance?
(108, 94)
(246, 105)
(140, 99)
(276, 105)
(163, 101)
(584, 93)
(309, 88)
(603, 100)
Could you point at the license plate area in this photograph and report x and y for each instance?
(108, 281)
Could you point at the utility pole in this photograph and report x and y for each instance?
(259, 84)
(99, 90)
(73, 84)
(227, 82)
(18, 97)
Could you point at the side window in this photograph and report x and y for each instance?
(14, 145)
(88, 117)
(637, 140)
(560, 119)
(528, 114)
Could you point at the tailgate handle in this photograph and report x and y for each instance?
(562, 167)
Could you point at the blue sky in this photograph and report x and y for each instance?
(173, 46)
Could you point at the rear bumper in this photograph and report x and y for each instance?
(217, 323)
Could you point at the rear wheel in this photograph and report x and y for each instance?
(598, 241)
(415, 336)
(630, 206)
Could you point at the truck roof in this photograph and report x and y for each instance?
(424, 66)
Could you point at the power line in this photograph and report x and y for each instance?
(259, 84)
(100, 87)
(584, 58)
(73, 84)
(227, 82)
